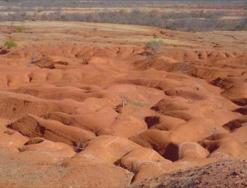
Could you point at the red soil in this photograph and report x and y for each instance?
(104, 112)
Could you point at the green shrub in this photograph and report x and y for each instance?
(19, 29)
(155, 44)
(10, 44)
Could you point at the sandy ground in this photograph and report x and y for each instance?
(87, 105)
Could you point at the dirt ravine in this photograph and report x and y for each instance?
(88, 105)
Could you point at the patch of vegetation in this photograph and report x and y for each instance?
(205, 15)
(10, 44)
(154, 45)
(19, 29)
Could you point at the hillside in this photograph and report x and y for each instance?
(104, 105)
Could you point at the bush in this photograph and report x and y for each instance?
(10, 44)
(19, 29)
(155, 44)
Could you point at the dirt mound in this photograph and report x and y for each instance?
(222, 174)
(48, 63)
(32, 126)
(3, 51)
(208, 65)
